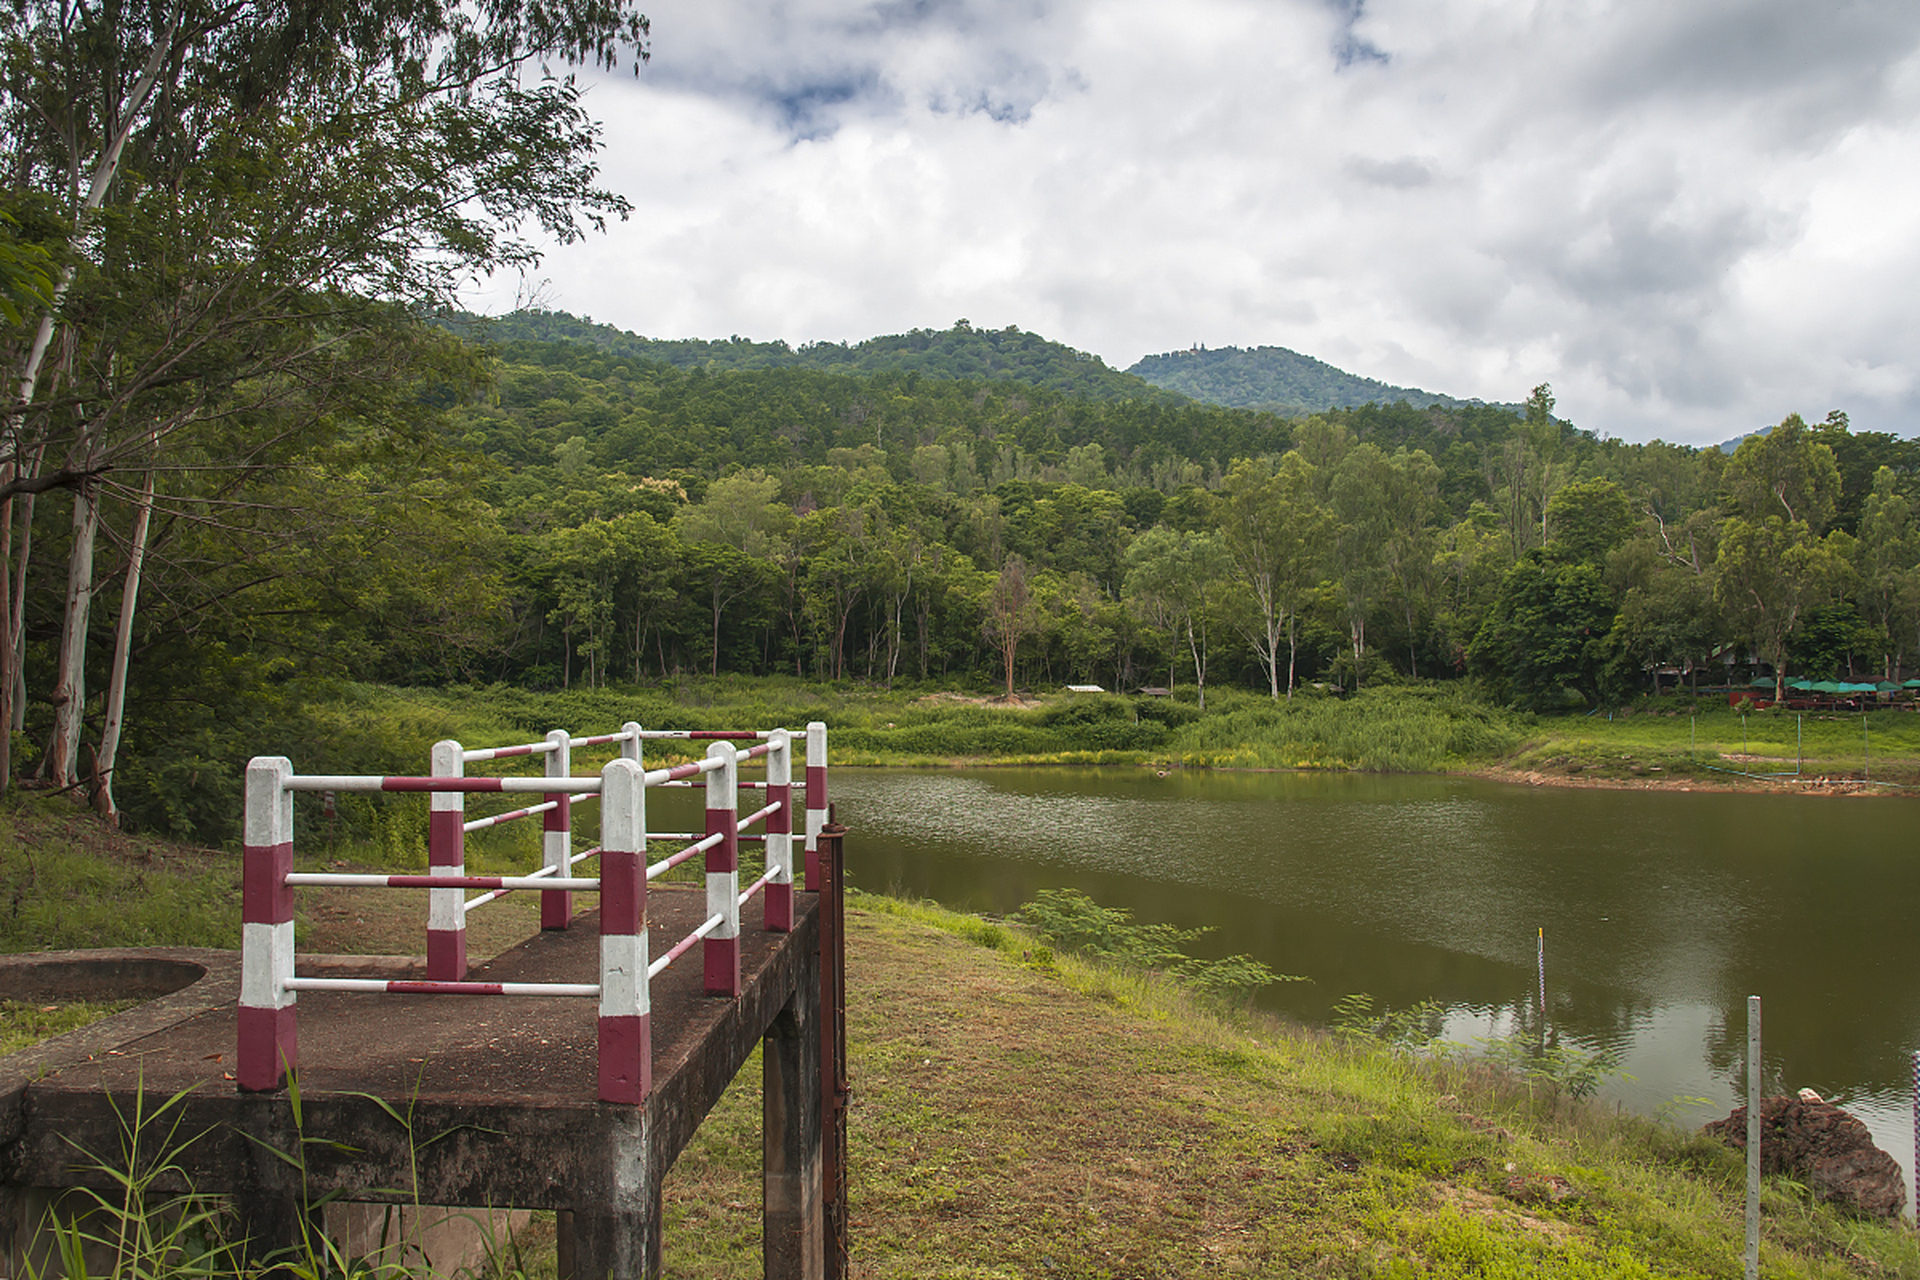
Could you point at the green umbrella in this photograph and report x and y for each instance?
(1801, 685)
(1763, 682)
(1826, 686)
(1854, 687)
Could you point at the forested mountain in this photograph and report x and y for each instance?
(1277, 379)
(998, 355)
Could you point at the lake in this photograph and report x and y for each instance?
(1662, 911)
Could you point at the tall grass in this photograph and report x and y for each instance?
(1402, 729)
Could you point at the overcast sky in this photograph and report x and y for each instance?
(1691, 217)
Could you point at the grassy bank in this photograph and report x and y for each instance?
(1022, 1113)
(1408, 728)
(1030, 1116)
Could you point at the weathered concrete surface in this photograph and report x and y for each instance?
(500, 1090)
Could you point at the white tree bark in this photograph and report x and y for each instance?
(70, 688)
(122, 651)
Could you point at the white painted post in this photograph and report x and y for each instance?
(779, 902)
(447, 855)
(556, 836)
(816, 798)
(630, 747)
(722, 949)
(269, 1044)
(626, 1041)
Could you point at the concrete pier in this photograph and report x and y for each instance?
(500, 1095)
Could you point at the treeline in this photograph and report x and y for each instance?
(653, 519)
(558, 515)
(1002, 355)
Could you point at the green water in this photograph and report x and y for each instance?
(1662, 911)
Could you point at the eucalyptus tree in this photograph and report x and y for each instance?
(1177, 583)
(1775, 562)
(241, 197)
(1889, 562)
(1275, 530)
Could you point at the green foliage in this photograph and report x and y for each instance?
(57, 895)
(1272, 377)
(1070, 920)
(1413, 1029)
(25, 1024)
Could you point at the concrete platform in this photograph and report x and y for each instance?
(500, 1092)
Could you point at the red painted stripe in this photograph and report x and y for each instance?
(683, 771)
(779, 908)
(626, 1059)
(754, 752)
(680, 948)
(781, 823)
(722, 966)
(440, 784)
(623, 893)
(265, 895)
(725, 854)
(501, 753)
(446, 838)
(816, 786)
(445, 988)
(444, 882)
(598, 739)
(447, 953)
(560, 817)
(269, 1043)
(723, 734)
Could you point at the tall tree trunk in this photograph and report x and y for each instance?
(122, 651)
(70, 686)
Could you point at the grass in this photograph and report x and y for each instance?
(25, 1024)
(1715, 743)
(1025, 1112)
(1033, 1116)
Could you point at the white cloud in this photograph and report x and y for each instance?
(1691, 219)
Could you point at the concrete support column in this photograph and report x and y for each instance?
(617, 1236)
(794, 1228)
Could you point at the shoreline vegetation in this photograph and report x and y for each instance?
(1673, 742)
(1068, 1110)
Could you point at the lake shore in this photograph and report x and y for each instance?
(1820, 785)
(1018, 1112)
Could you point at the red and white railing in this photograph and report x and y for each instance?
(268, 1037)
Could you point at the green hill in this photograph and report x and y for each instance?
(1277, 379)
(993, 355)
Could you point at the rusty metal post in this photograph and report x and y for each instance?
(834, 1086)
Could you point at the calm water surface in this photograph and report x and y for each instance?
(1663, 911)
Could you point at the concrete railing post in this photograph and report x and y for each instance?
(626, 1042)
(556, 839)
(779, 906)
(630, 745)
(447, 855)
(816, 798)
(269, 1045)
(722, 946)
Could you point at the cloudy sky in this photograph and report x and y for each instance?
(1690, 216)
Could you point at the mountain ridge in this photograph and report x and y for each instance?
(1272, 379)
(1280, 380)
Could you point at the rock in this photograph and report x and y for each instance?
(1824, 1148)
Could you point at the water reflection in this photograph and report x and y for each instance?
(1662, 910)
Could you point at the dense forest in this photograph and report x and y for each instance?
(559, 514)
(253, 452)
(1273, 378)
